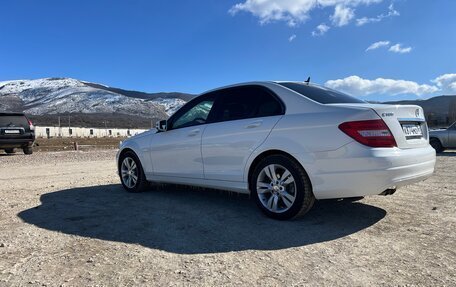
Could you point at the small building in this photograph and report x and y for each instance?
(78, 132)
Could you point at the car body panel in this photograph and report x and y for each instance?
(355, 170)
(183, 146)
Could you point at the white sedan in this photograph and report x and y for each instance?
(285, 143)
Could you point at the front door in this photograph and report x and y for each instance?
(452, 136)
(177, 151)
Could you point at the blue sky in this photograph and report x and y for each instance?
(192, 46)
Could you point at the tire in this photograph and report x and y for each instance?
(437, 145)
(10, 151)
(28, 150)
(298, 186)
(130, 185)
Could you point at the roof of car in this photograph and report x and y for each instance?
(11, 114)
(248, 84)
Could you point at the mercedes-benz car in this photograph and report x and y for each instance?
(286, 144)
(442, 139)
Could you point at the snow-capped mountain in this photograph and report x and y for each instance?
(171, 105)
(65, 95)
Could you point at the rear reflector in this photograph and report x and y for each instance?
(30, 123)
(373, 133)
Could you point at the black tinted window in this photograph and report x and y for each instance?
(320, 94)
(18, 121)
(247, 102)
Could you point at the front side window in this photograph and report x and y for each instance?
(247, 102)
(197, 115)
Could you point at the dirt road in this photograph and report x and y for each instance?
(65, 221)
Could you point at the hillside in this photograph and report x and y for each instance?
(46, 99)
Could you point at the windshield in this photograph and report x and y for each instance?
(321, 95)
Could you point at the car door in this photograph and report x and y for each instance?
(177, 151)
(243, 118)
(452, 136)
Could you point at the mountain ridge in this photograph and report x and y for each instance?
(67, 95)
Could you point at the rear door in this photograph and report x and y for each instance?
(243, 118)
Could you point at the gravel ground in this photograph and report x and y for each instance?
(65, 221)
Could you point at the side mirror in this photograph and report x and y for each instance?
(162, 126)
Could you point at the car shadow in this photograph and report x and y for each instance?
(186, 220)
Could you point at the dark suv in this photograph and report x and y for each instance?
(16, 131)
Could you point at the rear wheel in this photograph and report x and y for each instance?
(10, 151)
(281, 188)
(131, 173)
(437, 145)
(28, 150)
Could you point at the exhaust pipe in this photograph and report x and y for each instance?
(389, 191)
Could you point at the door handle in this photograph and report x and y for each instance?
(254, 125)
(193, 133)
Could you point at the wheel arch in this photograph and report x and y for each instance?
(124, 151)
(436, 138)
(265, 154)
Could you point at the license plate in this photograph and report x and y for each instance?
(412, 130)
(13, 132)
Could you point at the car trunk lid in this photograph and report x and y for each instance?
(406, 122)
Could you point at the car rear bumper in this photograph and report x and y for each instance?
(356, 170)
(16, 143)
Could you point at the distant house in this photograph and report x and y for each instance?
(78, 132)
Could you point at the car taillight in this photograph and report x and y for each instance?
(29, 122)
(373, 133)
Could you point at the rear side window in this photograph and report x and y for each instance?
(247, 102)
(9, 120)
(321, 95)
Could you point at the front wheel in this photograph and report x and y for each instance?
(281, 188)
(131, 173)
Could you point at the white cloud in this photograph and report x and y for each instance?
(446, 83)
(377, 45)
(342, 15)
(320, 30)
(295, 11)
(399, 49)
(365, 20)
(291, 38)
(358, 86)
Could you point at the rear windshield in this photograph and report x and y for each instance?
(18, 121)
(321, 95)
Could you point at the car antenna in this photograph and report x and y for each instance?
(307, 81)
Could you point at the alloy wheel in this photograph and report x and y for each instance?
(129, 172)
(276, 188)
